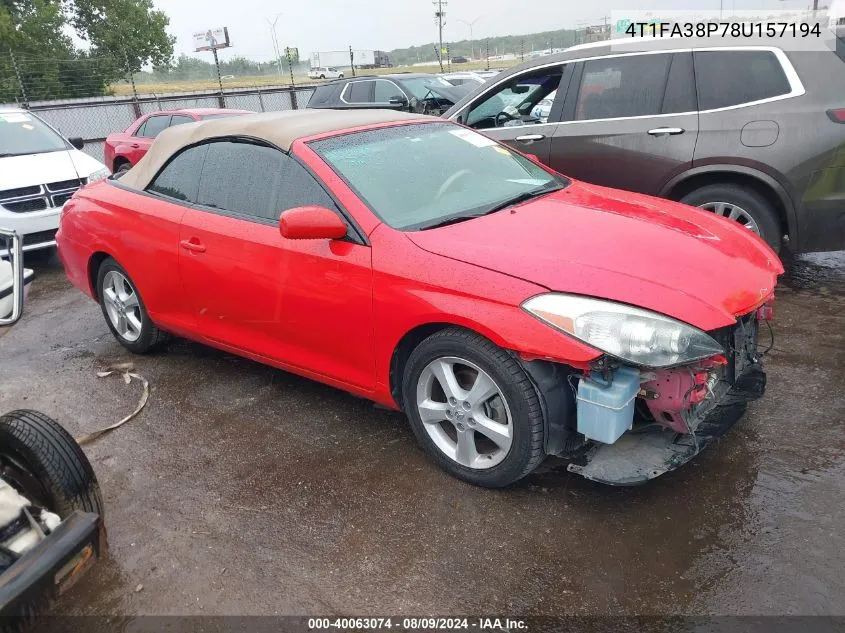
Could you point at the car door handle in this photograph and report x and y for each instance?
(193, 246)
(135, 145)
(530, 138)
(666, 131)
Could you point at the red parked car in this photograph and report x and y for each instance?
(123, 149)
(510, 312)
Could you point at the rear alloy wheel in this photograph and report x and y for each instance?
(742, 205)
(473, 408)
(124, 309)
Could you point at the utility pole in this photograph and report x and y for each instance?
(522, 50)
(276, 50)
(352, 60)
(487, 58)
(440, 17)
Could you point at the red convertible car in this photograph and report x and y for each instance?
(123, 149)
(510, 312)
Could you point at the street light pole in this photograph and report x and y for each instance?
(470, 25)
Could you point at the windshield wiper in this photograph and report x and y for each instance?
(524, 197)
(521, 197)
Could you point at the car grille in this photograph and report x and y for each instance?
(39, 238)
(24, 206)
(39, 197)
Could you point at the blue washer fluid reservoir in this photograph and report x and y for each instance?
(606, 410)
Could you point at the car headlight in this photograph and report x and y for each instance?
(100, 174)
(638, 336)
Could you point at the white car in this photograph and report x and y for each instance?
(462, 78)
(325, 72)
(39, 171)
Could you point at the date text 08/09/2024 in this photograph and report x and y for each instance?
(724, 29)
(417, 624)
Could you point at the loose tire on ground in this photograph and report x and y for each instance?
(526, 449)
(31, 441)
(150, 337)
(747, 199)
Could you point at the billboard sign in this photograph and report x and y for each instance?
(211, 39)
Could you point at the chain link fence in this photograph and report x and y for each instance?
(59, 91)
(95, 118)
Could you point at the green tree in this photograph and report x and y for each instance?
(128, 30)
(123, 36)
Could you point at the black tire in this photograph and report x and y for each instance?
(151, 336)
(340, 76)
(322, 76)
(749, 200)
(56, 473)
(526, 451)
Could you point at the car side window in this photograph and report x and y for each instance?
(256, 181)
(153, 126)
(179, 178)
(385, 90)
(359, 92)
(616, 87)
(511, 103)
(179, 119)
(727, 78)
(680, 87)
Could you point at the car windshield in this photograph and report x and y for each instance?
(423, 175)
(21, 133)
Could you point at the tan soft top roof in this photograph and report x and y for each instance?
(279, 128)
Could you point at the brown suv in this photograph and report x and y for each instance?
(754, 133)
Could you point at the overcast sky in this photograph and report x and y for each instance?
(324, 25)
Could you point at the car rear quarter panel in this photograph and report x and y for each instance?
(805, 147)
(139, 231)
(412, 288)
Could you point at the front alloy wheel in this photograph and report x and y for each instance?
(464, 412)
(473, 408)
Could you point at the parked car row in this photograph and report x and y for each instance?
(752, 133)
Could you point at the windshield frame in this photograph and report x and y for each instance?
(559, 181)
(66, 146)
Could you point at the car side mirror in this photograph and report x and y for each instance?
(77, 142)
(399, 101)
(11, 279)
(311, 223)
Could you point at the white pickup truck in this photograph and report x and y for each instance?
(325, 72)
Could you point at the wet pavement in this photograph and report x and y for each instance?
(241, 489)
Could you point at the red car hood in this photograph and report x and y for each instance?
(612, 244)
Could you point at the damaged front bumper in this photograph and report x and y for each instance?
(638, 457)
